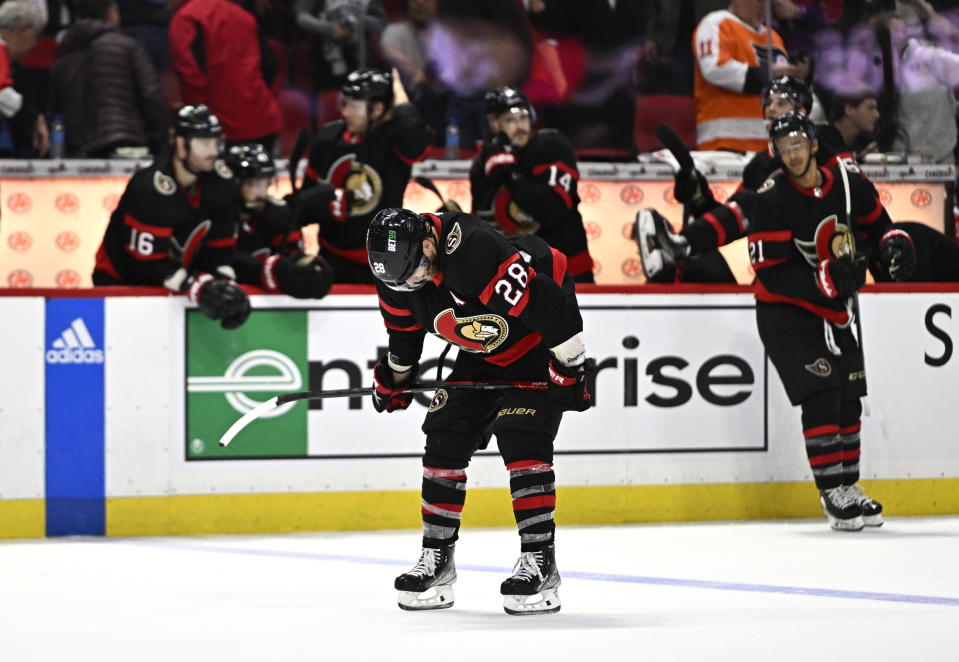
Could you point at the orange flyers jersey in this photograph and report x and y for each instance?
(726, 48)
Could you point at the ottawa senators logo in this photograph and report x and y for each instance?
(439, 399)
(222, 169)
(511, 218)
(365, 183)
(819, 367)
(831, 240)
(454, 238)
(164, 184)
(477, 333)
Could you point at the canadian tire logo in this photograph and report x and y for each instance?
(413, 191)
(589, 194)
(67, 203)
(68, 279)
(921, 197)
(110, 201)
(669, 195)
(20, 278)
(20, 241)
(19, 203)
(719, 192)
(597, 267)
(885, 197)
(68, 241)
(457, 191)
(631, 194)
(628, 230)
(593, 230)
(632, 267)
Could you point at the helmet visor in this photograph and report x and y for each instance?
(416, 280)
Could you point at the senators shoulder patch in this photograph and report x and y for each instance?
(454, 238)
(768, 184)
(164, 184)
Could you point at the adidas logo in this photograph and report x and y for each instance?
(75, 345)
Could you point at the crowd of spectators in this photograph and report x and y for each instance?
(111, 71)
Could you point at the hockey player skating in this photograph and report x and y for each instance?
(510, 309)
(810, 231)
(176, 223)
(367, 157)
(270, 246)
(526, 181)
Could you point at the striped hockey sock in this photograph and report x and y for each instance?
(825, 452)
(444, 493)
(532, 484)
(850, 453)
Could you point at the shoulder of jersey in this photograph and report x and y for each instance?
(550, 137)
(767, 185)
(152, 180)
(330, 132)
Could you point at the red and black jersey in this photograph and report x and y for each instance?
(159, 227)
(375, 169)
(794, 230)
(495, 297)
(272, 231)
(542, 198)
(763, 165)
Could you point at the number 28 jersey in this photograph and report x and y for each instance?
(494, 297)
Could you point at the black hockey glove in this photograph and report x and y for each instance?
(500, 167)
(569, 388)
(220, 299)
(387, 396)
(691, 188)
(841, 277)
(299, 276)
(898, 255)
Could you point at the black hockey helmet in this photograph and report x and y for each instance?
(394, 246)
(369, 85)
(197, 122)
(250, 161)
(791, 124)
(504, 99)
(793, 87)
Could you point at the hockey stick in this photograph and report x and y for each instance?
(675, 146)
(429, 185)
(278, 400)
(855, 296)
(299, 147)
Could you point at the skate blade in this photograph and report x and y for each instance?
(872, 520)
(544, 602)
(852, 524)
(436, 597)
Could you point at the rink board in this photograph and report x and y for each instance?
(690, 421)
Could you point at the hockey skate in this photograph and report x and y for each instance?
(429, 585)
(871, 509)
(842, 509)
(659, 247)
(533, 587)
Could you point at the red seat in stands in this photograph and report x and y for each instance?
(675, 111)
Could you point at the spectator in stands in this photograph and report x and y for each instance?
(32, 72)
(405, 45)
(23, 130)
(852, 132)
(148, 21)
(342, 36)
(667, 58)
(105, 88)
(733, 63)
(216, 55)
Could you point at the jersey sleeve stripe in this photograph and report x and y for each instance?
(777, 235)
(222, 242)
(717, 227)
(564, 195)
(140, 226)
(543, 167)
(415, 327)
(520, 306)
(147, 258)
(768, 263)
(399, 312)
(873, 215)
(487, 292)
(560, 264)
(738, 213)
(408, 161)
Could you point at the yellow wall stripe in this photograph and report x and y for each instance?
(341, 511)
(23, 518)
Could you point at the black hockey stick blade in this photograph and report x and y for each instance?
(299, 147)
(429, 185)
(672, 142)
(278, 400)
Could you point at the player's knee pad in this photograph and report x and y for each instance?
(850, 412)
(820, 408)
(515, 447)
(450, 450)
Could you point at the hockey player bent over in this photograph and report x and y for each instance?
(511, 310)
(809, 226)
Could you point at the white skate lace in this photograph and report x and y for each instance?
(527, 566)
(426, 566)
(843, 497)
(859, 493)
